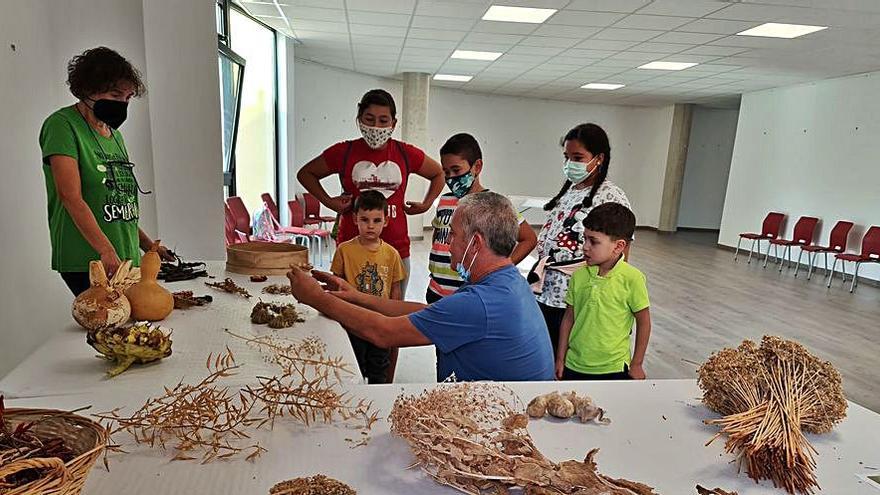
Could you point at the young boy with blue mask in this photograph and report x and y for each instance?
(462, 162)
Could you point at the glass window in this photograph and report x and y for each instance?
(231, 74)
(255, 150)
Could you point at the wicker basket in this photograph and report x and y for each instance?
(265, 258)
(85, 437)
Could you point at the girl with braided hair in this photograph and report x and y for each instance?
(587, 154)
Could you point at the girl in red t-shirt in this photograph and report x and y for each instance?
(379, 163)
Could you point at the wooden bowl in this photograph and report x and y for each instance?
(265, 258)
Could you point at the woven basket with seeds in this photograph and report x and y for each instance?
(47, 452)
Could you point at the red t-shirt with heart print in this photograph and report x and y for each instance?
(382, 170)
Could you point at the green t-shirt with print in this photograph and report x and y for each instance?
(604, 310)
(109, 188)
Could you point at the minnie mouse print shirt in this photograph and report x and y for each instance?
(562, 236)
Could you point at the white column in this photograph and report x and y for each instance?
(183, 80)
(413, 117)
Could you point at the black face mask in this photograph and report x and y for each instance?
(111, 112)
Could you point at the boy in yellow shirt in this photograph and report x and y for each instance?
(374, 267)
(603, 300)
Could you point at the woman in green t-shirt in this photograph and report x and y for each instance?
(90, 183)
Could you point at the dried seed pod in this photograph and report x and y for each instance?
(537, 407)
(587, 411)
(559, 406)
(515, 422)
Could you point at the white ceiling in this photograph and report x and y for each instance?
(587, 41)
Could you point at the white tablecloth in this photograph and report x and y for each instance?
(66, 364)
(656, 436)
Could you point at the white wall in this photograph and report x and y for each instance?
(32, 298)
(185, 124)
(807, 150)
(519, 136)
(713, 131)
(34, 303)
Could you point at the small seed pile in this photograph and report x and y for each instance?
(313, 485)
(230, 287)
(277, 289)
(185, 299)
(275, 315)
(473, 437)
(770, 395)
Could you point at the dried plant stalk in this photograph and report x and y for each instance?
(208, 420)
(309, 385)
(229, 285)
(203, 421)
(473, 437)
(770, 395)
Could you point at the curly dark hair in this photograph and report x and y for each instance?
(98, 70)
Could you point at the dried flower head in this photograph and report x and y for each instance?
(473, 437)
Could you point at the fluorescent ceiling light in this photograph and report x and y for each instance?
(775, 30)
(472, 55)
(452, 77)
(667, 65)
(517, 14)
(608, 86)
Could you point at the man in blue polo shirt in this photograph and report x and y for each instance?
(490, 329)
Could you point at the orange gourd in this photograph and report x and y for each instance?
(149, 300)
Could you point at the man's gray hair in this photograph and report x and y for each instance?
(493, 216)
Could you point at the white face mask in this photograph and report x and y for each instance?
(376, 137)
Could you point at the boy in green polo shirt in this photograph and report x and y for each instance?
(604, 299)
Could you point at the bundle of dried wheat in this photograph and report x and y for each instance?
(770, 395)
(473, 437)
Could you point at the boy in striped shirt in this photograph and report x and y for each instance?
(462, 162)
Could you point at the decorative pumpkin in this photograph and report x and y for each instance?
(149, 300)
(104, 305)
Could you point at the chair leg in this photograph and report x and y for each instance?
(843, 272)
(855, 280)
(767, 254)
(751, 250)
(831, 275)
(812, 258)
(826, 262)
(784, 255)
(736, 253)
(798, 265)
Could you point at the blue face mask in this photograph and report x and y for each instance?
(465, 273)
(461, 184)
